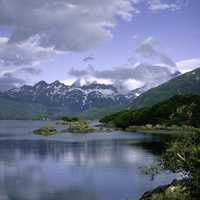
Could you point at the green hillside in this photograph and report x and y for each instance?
(16, 110)
(98, 113)
(179, 110)
(188, 83)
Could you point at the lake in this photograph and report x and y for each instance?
(96, 166)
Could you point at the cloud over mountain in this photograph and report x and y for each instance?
(8, 81)
(16, 77)
(150, 48)
(128, 78)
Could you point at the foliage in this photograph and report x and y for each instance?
(181, 110)
(69, 119)
(183, 155)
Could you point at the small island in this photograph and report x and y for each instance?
(80, 127)
(45, 131)
(75, 125)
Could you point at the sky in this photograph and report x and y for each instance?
(95, 40)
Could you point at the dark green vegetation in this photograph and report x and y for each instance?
(66, 119)
(45, 131)
(182, 110)
(188, 83)
(183, 155)
(69, 119)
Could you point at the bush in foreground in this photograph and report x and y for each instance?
(183, 156)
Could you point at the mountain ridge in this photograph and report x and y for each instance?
(188, 83)
(59, 98)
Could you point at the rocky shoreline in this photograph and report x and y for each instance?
(173, 191)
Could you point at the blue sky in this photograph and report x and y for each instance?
(109, 32)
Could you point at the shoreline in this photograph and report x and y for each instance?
(174, 130)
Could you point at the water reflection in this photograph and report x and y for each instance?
(98, 166)
(106, 170)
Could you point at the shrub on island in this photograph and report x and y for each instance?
(66, 119)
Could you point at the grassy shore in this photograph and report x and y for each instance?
(79, 127)
(173, 191)
(160, 129)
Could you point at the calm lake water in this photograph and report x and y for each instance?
(97, 166)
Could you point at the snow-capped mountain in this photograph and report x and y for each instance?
(72, 99)
(57, 98)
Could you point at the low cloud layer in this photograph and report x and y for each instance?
(127, 78)
(13, 77)
(141, 74)
(8, 81)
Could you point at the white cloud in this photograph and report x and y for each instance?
(23, 53)
(158, 5)
(132, 84)
(188, 65)
(38, 27)
(66, 25)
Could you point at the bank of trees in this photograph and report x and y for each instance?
(179, 110)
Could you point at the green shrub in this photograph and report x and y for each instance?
(183, 155)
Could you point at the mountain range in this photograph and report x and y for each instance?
(56, 99)
(94, 100)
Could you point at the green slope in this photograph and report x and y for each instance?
(15, 110)
(98, 113)
(188, 83)
(179, 110)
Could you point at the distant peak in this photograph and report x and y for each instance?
(41, 83)
(57, 82)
